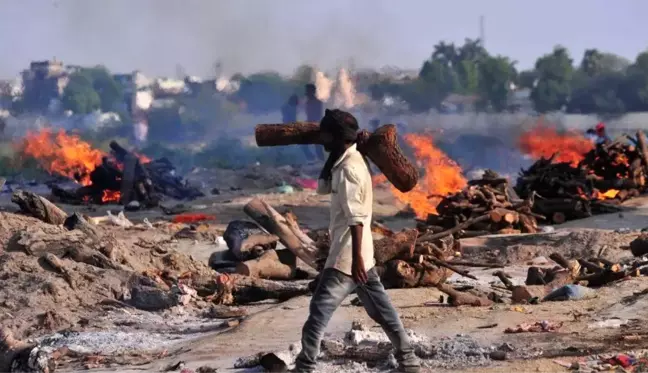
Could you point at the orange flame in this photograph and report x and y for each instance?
(110, 196)
(68, 155)
(63, 154)
(610, 194)
(441, 177)
(543, 141)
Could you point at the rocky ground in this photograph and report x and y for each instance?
(89, 308)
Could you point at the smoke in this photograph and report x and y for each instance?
(339, 93)
(324, 86)
(157, 36)
(345, 94)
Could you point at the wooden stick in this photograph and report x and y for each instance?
(464, 225)
(444, 264)
(38, 207)
(504, 277)
(467, 263)
(457, 298)
(290, 236)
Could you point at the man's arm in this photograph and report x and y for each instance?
(358, 270)
(352, 195)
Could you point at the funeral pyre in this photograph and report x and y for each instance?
(572, 178)
(120, 176)
(574, 186)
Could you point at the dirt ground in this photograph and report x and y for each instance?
(88, 321)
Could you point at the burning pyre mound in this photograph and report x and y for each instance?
(603, 178)
(121, 176)
(485, 206)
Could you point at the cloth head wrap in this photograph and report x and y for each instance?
(343, 127)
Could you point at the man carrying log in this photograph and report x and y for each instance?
(350, 264)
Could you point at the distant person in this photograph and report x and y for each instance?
(601, 134)
(289, 109)
(314, 113)
(591, 135)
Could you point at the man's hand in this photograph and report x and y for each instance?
(358, 271)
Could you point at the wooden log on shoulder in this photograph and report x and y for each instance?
(383, 150)
(381, 147)
(298, 133)
(38, 207)
(273, 265)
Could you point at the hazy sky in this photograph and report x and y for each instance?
(156, 36)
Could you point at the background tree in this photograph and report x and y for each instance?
(80, 96)
(552, 89)
(110, 92)
(495, 76)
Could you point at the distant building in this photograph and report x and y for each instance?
(43, 82)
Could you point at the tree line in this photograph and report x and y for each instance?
(598, 83)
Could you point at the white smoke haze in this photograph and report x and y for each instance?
(323, 86)
(157, 36)
(340, 92)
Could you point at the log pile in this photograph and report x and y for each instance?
(404, 259)
(124, 177)
(607, 175)
(590, 272)
(485, 206)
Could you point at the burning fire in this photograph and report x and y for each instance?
(609, 194)
(544, 140)
(441, 177)
(67, 155)
(62, 154)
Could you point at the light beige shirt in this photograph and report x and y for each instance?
(351, 204)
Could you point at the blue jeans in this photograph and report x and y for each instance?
(333, 287)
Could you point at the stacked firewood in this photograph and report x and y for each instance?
(485, 206)
(619, 165)
(607, 176)
(404, 259)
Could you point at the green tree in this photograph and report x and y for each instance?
(596, 87)
(445, 53)
(110, 92)
(552, 89)
(526, 79)
(472, 50)
(495, 76)
(468, 74)
(634, 88)
(79, 95)
(437, 80)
